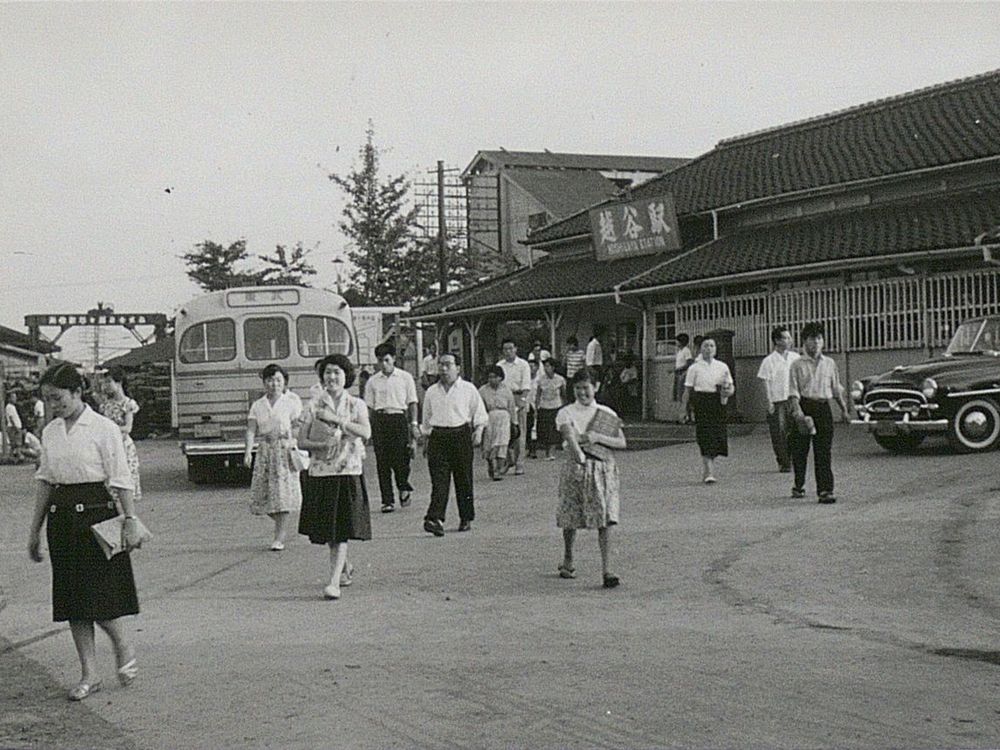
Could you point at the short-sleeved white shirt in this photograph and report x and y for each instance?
(594, 354)
(517, 374)
(682, 357)
(394, 391)
(704, 376)
(92, 451)
(276, 418)
(774, 371)
(11, 417)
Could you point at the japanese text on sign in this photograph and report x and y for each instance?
(638, 227)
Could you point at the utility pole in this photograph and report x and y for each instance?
(442, 232)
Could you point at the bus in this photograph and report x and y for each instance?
(224, 339)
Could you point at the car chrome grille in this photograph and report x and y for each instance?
(891, 402)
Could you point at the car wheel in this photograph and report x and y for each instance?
(975, 426)
(899, 443)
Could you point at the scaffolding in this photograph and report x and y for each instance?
(426, 200)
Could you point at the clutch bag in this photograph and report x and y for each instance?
(109, 535)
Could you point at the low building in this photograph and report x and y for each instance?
(865, 219)
(19, 356)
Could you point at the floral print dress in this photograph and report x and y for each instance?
(275, 485)
(117, 410)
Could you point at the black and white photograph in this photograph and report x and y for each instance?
(500, 375)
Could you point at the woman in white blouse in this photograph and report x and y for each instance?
(335, 506)
(708, 385)
(82, 456)
(274, 417)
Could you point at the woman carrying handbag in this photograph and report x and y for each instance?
(83, 456)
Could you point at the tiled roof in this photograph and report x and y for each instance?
(551, 279)
(944, 124)
(23, 341)
(606, 162)
(938, 224)
(564, 191)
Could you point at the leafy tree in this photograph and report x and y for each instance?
(287, 268)
(213, 266)
(377, 220)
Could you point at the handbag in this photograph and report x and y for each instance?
(298, 459)
(109, 535)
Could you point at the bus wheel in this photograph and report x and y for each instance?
(199, 469)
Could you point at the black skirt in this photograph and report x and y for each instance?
(710, 424)
(85, 584)
(334, 509)
(547, 432)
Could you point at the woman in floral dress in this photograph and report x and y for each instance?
(120, 408)
(502, 411)
(588, 484)
(334, 429)
(273, 418)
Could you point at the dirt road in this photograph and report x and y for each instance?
(745, 618)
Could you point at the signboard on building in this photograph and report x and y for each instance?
(639, 227)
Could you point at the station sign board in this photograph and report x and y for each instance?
(638, 227)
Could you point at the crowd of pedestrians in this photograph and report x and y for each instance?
(309, 456)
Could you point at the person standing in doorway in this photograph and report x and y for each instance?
(517, 376)
(594, 356)
(813, 380)
(453, 423)
(773, 373)
(391, 395)
(429, 367)
(575, 358)
(682, 361)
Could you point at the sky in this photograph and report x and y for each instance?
(131, 132)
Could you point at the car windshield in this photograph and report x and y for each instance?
(976, 337)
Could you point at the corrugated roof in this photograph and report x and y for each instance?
(944, 124)
(605, 162)
(929, 225)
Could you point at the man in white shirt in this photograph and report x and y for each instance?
(391, 395)
(453, 423)
(773, 373)
(517, 377)
(594, 354)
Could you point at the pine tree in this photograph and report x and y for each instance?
(285, 268)
(213, 266)
(377, 221)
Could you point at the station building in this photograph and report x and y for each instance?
(875, 220)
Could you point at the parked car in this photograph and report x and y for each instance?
(957, 393)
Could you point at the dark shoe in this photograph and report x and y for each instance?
(465, 526)
(784, 469)
(404, 499)
(566, 571)
(433, 527)
(611, 581)
(387, 508)
(798, 492)
(826, 498)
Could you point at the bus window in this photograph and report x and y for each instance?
(265, 338)
(211, 341)
(319, 336)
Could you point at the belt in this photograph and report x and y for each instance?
(815, 400)
(81, 507)
(390, 411)
(435, 428)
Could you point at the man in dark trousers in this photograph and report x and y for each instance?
(813, 380)
(453, 423)
(391, 395)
